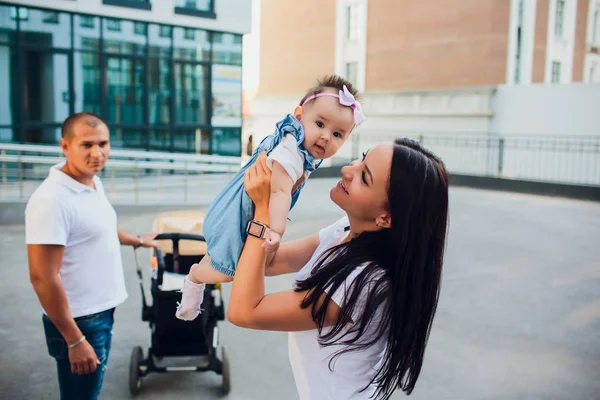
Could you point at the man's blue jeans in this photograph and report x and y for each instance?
(97, 329)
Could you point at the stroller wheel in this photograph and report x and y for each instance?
(225, 370)
(135, 379)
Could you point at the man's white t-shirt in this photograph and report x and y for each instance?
(352, 371)
(65, 212)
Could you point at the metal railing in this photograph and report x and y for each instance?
(150, 177)
(558, 159)
(129, 176)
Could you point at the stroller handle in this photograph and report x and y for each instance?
(175, 238)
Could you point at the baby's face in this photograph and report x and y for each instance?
(327, 125)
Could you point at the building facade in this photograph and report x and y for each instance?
(404, 45)
(428, 68)
(164, 74)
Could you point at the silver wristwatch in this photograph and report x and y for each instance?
(258, 229)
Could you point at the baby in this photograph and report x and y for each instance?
(317, 129)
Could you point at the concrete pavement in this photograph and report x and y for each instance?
(518, 318)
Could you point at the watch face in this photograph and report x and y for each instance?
(255, 229)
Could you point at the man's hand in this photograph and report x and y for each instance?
(148, 240)
(83, 359)
(272, 242)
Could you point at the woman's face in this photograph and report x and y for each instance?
(363, 190)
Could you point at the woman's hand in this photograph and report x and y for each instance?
(257, 182)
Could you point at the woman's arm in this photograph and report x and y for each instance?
(292, 256)
(249, 307)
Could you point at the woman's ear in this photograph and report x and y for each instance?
(298, 113)
(384, 221)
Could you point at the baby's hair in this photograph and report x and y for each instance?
(331, 81)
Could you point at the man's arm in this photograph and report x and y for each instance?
(44, 265)
(145, 240)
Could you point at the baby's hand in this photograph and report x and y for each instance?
(272, 242)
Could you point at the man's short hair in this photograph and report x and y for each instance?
(88, 118)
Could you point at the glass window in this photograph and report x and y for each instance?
(127, 138)
(35, 32)
(87, 32)
(197, 48)
(352, 21)
(7, 25)
(21, 13)
(237, 39)
(226, 141)
(187, 140)
(165, 31)
(159, 91)
(226, 95)
(217, 37)
(50, 17)
(555, 72)
(140, 28)
(8, 83)
(595, 27)
(559, 18)
(123, 3)
(125, 41)
(191, 87)
(46, 90)
(352, 72)
(184, 140)
(159, 45)
(125, 78)
(226, 50)
(113, 24)
(160, 139)
(189, 34)
(87, 74)
(86, 21)
(199, 5)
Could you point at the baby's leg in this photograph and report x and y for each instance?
(204, 273)
(193, 288)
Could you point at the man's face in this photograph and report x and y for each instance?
(88, 149)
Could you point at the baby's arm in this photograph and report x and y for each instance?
(287, 164)
(279, 203)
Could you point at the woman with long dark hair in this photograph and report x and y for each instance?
(366, 287)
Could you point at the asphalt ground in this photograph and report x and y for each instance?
(518, 316)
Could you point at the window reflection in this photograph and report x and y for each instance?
(199, 5)
(227, 48)
(35, 31)
(125, 40)
(150, 82)
(191, 44)
(159, 91)
(226, 141)
(87, 32)
(191, 81)
(125, 79)
(159, 38)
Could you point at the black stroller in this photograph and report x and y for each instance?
(172, 337)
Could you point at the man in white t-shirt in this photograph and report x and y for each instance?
(75, 266)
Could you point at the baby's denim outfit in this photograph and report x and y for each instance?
(225, 223)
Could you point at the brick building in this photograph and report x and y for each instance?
(405, 44)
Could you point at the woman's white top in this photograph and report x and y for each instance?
(310, 362)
